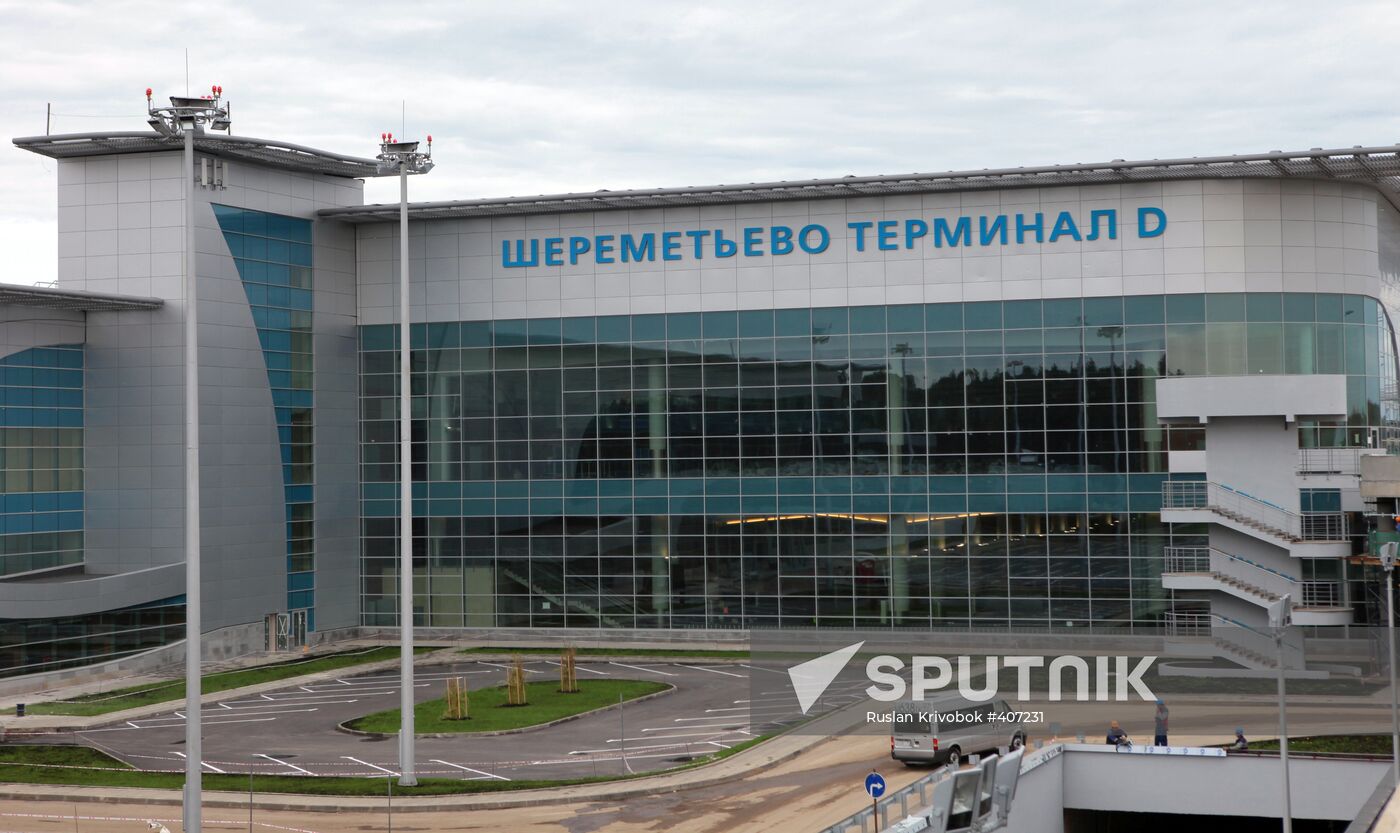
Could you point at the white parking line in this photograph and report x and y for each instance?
(259, 710)
(494, 665)
(582, 668)
(769, 670)
(368, 764)
(131, 725)
(717, 743)
(717, 730)
(640, 668)
(285, 764)
(469, 769)
(212, 768)
(714, 671)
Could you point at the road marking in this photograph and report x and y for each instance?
(469, 769)
(640, 668)
(717, 743)
(769, 670)
(285, 764)
(342, 682)
(304, 688)
(370, 765)
(174, 725)
(711, 733)
(507, 667)
(713, 671)
(212, 768)
(582, 668)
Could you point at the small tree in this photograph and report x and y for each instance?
(458, 703)
(515, 683)
(568, 675)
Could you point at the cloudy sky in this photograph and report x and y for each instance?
(527, 97)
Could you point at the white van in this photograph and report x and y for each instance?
(929, 733)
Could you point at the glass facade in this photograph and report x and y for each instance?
(273, 254)
(41, 459)
(981, 464)
(31, 646)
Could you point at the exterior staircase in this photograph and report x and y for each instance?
(1304, 535)
(1204, 568)
(564, 603)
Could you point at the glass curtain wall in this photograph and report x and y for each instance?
(921, 466)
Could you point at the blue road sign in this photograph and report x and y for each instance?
(874, 785)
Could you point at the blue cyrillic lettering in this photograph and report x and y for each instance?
(578, 246)
(643, 248)
(780, 242)
(823, 239)
(961, 230)
(913, 230)
(1064, 224)
(885, 234)
(724, 247)
(699, 236)
(1038, 226)
(520, 259)
(987, 233)
(670, 245)
(859, 229)
(1159, 214)
(602, 249)
(752, 241)
(1110, 218)
(554, 251)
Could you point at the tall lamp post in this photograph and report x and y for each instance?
(404, 158)
(1387, 555)
(183, 119)
(1280, 617)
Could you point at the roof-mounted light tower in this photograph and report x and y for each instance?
(404, 158)
(189, 112)
(185, 117)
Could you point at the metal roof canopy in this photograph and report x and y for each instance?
(53, 298)
(1376, 166)
(283, 155)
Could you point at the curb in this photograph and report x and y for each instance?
(634, 787)
(341, 727)
(742, 764)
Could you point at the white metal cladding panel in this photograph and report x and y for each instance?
(1221, 236)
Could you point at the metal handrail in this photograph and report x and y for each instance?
(1203, 494)
(1321, 594)
(1343, 460)
(1186, 559)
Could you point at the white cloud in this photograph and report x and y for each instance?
(538, 97)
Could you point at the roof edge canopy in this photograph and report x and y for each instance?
(1375, 166)
(281, 155)
(71, 299)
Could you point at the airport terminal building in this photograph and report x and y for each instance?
(1129, 396)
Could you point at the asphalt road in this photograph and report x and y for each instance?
(292, 731)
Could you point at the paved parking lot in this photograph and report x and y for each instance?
(292, 731)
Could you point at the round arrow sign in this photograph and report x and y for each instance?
(874, 785)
